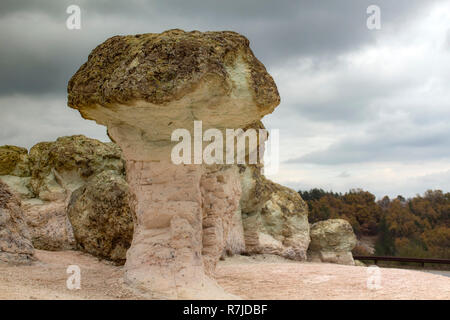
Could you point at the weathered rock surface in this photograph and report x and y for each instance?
(57, 169)
(275, 218)
(15, 240)
(60, 167)
(46, 177)
(332, 241)
(49, 225)
(19, 185)
(142, 88)
(15, 170)
(14, 161)
(101, 217)
(221, 191)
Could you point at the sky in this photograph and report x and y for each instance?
(360, 108)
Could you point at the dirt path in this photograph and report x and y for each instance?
(262, 277)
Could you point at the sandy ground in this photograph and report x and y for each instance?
(262, 277)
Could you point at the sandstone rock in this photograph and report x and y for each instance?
(14, 161)
(220, 194)
(332, 241)
(62, 166)
(142, 88)
(15, 171)
(101, 216)
(235, 242)
(19, 185)
(15, 240)
(275, 218)
(49, 225)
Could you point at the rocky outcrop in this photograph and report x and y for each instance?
(101, 217)
(275, 218)
(15, 240)
(332, 241)
(144, 87)
(57, 169)
(60, 167)
(46, 177)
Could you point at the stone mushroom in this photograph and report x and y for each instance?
(142, 88)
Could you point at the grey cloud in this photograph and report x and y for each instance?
(26, 121)
(344, 174)
(278, 31)
(410, 144)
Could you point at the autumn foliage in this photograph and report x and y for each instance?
(416, 227)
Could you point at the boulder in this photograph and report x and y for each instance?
(275, 218)
(57, 169)
(15, 239)
(142, 88)
(332, 241)
(60, 167)
(101, 217)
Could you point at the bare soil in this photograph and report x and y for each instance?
(259, 277)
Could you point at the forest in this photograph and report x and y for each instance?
(414, 227)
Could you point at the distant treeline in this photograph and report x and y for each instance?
(416, 227)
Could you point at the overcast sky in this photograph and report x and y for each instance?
(360, 108)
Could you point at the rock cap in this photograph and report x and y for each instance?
(162, 67)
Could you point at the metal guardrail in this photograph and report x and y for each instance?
(422, 261)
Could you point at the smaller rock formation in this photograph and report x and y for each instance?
(15, 239)
(45, 178)
(101, 217)
(57, 169)
(275, 218)
(332, 241)
(60, 167)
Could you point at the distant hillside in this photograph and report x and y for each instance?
(416, 227)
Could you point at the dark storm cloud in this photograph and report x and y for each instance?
(38, 54)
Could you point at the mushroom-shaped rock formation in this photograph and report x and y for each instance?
(142, 88)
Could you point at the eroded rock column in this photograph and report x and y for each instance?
(166, 252)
